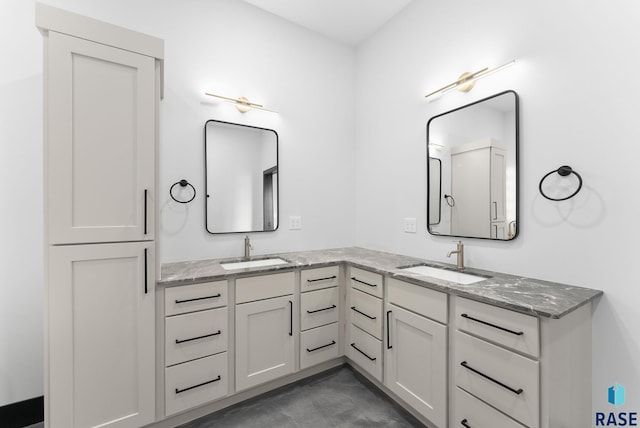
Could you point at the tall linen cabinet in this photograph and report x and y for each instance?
(102, 86)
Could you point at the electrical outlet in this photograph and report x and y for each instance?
(295, 222)
(410, 225)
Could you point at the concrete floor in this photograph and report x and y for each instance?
(338, 398)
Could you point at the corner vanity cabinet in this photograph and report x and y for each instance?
(101, 96)
(451, 361)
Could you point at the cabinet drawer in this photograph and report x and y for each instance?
(366, 351)
(365, 311)
(196, 297)
(314, 279)
(319, 308)
(318, 345)
(508, 328)
(366, 281)
(190, 384)
(195, 335)
(476, 414)
(504, 379)
(264, 287)
(424, 301)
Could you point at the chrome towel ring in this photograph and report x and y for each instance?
(564, 171)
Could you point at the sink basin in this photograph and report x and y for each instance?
(447, 275)
(274, 261)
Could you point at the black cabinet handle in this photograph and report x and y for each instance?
(362, 282)
(323, 309)
(215, 296)
(146, 288)
(178, 391)
(362, 313)
(333, 342)
(388, 330)
(465, 424)
(517, 333)
(291, 318)
(322, 279)
(497, 382)
(353, 345)
(199, 337)
(145, 210)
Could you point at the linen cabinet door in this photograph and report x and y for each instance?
(100, 142)
(264, 341)
(101, 315)
(416, 362)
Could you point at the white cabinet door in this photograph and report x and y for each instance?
(102, 335)
(264, 341)
(416, 362)
(100, 142)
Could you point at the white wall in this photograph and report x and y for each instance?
(223, 46)
(575, 74)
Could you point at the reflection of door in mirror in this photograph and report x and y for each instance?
(477, 145)
(435, 190)
(241, 167)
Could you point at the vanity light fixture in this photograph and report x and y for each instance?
(242, 104)
(467, 80)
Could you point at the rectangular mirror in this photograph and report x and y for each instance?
(477, 145)
(241, 178)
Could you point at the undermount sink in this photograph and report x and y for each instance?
(445, 274)
(273, 261)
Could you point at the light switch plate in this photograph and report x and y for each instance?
(295, 222)
(410, 225)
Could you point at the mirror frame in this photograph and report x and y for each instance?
(517, 163)
(206, 189)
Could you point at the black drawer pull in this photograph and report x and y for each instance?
(362, 313)
(465, 424)
(320, 310)
(362, 282)
(178, 391)
(389, 346)
(215, 296)
(145, 210)
(497, 382)
(353, 345)
(199, 337)
(333, 342)
(291, 318)
(146, 273)
(322, 279)
(517, 333)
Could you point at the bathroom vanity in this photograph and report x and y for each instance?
(502, 351)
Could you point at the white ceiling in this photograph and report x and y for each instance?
(347, 21)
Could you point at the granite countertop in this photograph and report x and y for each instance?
(526, 295)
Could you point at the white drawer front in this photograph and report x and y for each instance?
(366, 281)
(474, 413)
(319, 308)
(196, 382)
(314, 279)
(515, 386)
(195, 335)
(365, 311)
(195, 297)
(264, 287)
(366, 351)
(319, 345)
(424, 301)
(508, 328)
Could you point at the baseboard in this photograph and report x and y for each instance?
(22, 413)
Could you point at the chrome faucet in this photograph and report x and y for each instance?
(247, 247)
(460, 252)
